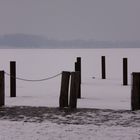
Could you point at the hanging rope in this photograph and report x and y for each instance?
(35, 80)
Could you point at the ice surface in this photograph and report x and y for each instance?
(96, 93)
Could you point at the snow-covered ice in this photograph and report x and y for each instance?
(40, 63)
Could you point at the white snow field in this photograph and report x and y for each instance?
(96, 93)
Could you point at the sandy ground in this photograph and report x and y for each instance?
(71, 116)
(43, 123)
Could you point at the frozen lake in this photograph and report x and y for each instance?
(96, 93)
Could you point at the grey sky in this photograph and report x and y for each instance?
(72, 19)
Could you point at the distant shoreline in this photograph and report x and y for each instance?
(25, 41)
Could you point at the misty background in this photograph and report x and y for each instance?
(34, 41)
(69, 23)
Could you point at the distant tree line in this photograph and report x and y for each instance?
(36, 41)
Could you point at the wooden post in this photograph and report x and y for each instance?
(135, 91)
(74, 89)
(125, 79)
(63, 99)
(78, 68)
(2, 89)
(103, 67)
(12, 79)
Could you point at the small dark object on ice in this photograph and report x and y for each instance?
(93, 77)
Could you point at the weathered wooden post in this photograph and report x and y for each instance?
(135, 91)
(74, 89)
(77, 69)
(79, 66)
(12, 79)
(103, 67)
(125, 78)
(63, 99)
(2, 89)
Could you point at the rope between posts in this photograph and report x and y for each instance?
(35, 80)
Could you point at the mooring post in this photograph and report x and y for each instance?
(77, 69)
(63, 99)
(12, 79)
(135, 91)
(103, 67)
(79, 66)
(125, 72)
(2, 89)
(74, 89)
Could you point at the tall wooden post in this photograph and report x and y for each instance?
(125, 78)
(135, 91)
(103, 67)
(12, 79)
(74, 89)
(63, 99)
(2, 88)
(78, 68)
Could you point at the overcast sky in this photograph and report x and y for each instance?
(72, 19)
